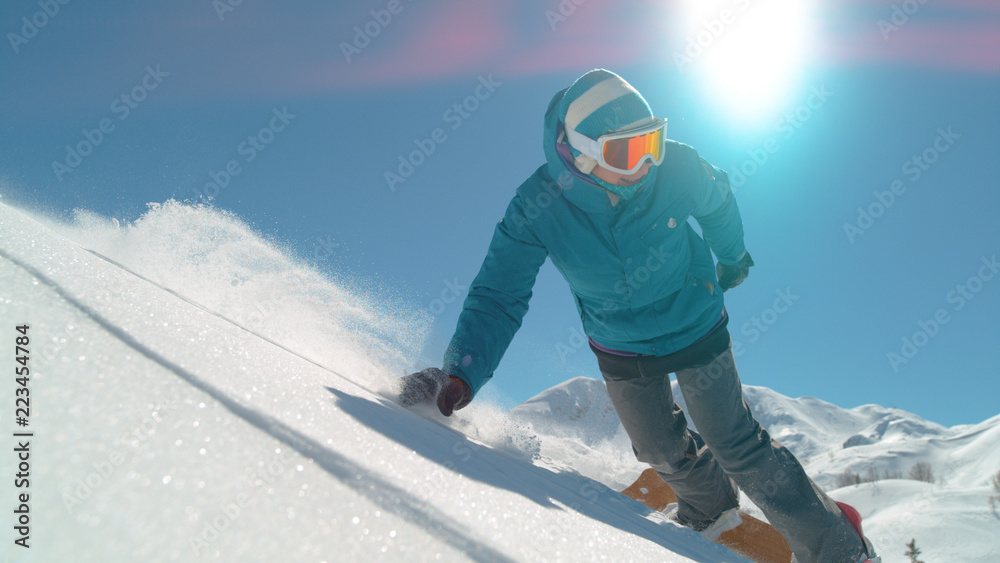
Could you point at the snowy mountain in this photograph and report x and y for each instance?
(199, 394)
(951, 518)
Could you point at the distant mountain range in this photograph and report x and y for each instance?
(950, 517)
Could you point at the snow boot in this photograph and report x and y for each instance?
(855, 518)
(726, 521)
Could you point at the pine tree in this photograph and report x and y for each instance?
(913, 551)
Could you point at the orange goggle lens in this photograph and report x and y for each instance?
(627, 153)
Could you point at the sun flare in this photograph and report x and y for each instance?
(747, 54)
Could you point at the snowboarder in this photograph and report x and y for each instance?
(610, 208)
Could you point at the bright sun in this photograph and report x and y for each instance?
(747, 54)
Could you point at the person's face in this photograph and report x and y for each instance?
(621, 179)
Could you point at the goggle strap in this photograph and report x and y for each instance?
(583, 143)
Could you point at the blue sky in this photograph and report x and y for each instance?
(862, 135)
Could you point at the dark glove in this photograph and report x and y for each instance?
(732, 276)
(435, 386)
(455, 395)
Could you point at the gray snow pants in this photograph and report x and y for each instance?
(729, 441)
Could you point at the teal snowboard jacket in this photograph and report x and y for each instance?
(643, 279)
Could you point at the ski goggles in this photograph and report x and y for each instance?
(623, 152)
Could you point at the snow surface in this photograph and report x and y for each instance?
(200, 394)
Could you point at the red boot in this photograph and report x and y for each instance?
(855, 518)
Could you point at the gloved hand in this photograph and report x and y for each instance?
(435, 386)
(732, 276)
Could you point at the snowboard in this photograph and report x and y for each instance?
(754, 539)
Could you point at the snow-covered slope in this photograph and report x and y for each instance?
(950, 518)
(220, 403)
(577, 428)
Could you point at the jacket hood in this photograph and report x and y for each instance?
(581, 191)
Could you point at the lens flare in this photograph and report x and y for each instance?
(746, 54)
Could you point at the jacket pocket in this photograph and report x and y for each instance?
(709, 286)
(662, 230)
